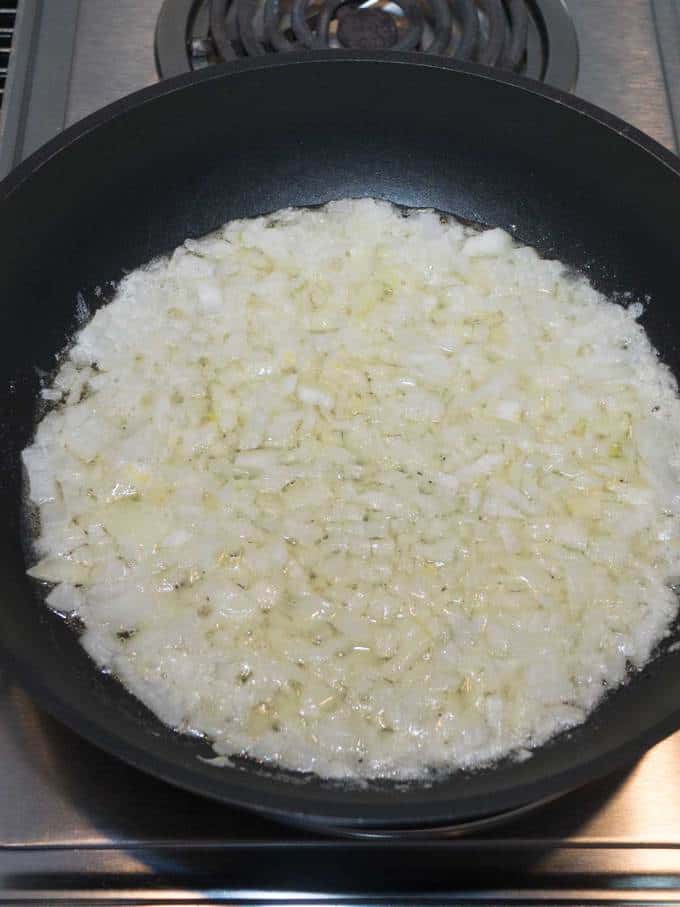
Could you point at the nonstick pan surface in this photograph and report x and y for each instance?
(179, 159)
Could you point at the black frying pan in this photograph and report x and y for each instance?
(179, 159)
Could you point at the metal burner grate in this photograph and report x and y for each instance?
(8, 13)
(532, 37)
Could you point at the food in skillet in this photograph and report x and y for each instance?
(361, 493)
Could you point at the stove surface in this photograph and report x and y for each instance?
(78, 826)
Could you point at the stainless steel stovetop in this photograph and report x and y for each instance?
(78, 826)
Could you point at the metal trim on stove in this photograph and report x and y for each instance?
(43, 46)
(562, 56)
(326, 872)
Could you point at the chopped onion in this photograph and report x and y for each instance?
(361, 493)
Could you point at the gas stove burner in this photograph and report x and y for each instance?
(533, 37)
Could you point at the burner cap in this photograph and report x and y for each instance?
(367, 28)
(533, 37)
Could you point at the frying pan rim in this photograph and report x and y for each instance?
(168, 86)
(283, 804)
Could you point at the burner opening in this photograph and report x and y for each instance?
(366, 28)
